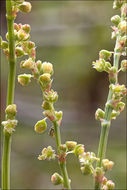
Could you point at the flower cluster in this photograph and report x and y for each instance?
(10, 123)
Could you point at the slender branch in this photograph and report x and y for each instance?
(105, 127)
(62, 164)
(10, 96)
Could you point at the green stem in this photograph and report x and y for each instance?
(62, 164)
(10, 96)
(105, 127)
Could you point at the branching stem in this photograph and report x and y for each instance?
(62, 164)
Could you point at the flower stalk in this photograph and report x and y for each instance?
(114, 96)
(10, 96)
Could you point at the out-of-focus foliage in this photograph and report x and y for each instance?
(69, 34)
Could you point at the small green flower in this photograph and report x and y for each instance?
(47, 153)
(25, 7)
(24, 79)
(99, 115)
(71, 145)
(104, 54)
(116, 19)
(11, 111)
(124, 65)
(47, 68)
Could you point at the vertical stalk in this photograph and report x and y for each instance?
(105, 127)
(10, 96)
(62, 164)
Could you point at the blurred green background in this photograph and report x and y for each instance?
(69, 34)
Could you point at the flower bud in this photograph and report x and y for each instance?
(120, 106)
(59, 115)
(63, 148)
(86, 169)
(26, 28)
(24, 79)
(124, 65)
(47, 68)
(56, 179)
(27, 64)
(46, 105)
(107, 165)
(113, 75)
(117, 4)
(16, 27)
(38, 64)
(32, 53)
(110, 185)
(104, 54)
(99, 175)
(71, 145)
(104, 181)
(11, 111)
(21, 34)
(116, 19)
(25, 7)
(79, 149)
(123, 26)
(4, 45)
(40, 126)
(19, 52)
(31, 45)
(99, 115)
(45, 80)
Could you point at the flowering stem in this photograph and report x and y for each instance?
(10, 96)
(62, 164)
(105, 127)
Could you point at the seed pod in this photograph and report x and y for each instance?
(25, 7)
(104, 54)
(116, 19)
(24, 79)
(40, 126)
(71, 145)
(56, 179)
(51, 132)
(11, 111)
